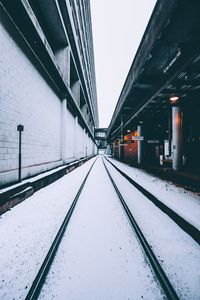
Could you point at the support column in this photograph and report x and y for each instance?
(170, 133)
(64, 130)
(76, 89)
(63, 61)
(177, 138)
(119, 148)
(84, 143)
(76, 139)
(140, 146)
(84, 110)
(121, 141)
(108, 148)
(112, 149)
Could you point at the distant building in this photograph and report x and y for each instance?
(47, 84)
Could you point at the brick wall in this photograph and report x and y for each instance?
(25, 98)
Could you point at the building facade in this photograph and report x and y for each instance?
(47, 85)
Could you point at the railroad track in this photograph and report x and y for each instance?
(159, 272)
(156, 267)
(39, 280)
(181, 222)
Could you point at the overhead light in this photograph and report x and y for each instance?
(174, 99)
(128, 130)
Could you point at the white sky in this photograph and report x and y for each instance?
(118, 27)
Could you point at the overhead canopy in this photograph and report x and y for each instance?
(167, 63)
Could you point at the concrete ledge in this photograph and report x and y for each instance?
(13, 195)
(12, 176)
(15, 199)
(185, 178)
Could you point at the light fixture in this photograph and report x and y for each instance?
(174, 99)
(128, 130)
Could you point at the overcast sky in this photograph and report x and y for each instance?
(118, 27)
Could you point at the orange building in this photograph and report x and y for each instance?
(127, 150)
(131, 146)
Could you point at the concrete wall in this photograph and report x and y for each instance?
(68, 128)
(74, 137)
(80, 149)
(27, 99)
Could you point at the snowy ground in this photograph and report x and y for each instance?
(99, 257)
(35, 178)
(28, 229)
(185, 203)
(177, 252)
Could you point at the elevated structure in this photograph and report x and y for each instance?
(101, 134)
(101, 137)
(165, 72)
(48, 85)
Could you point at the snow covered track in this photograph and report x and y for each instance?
(176, 251)
(40, 278)
(100, 255)
(164, 281)
(185, 225)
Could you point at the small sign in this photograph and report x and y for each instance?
(20, 127)
(137, 138)
(166, 147)
(153, 141)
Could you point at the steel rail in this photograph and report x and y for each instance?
(190, 229)
(164, 281)
(39, 280)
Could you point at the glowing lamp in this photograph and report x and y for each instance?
(174, 99)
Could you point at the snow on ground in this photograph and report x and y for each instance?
(36, 177)
(185, 203)
(28, 229)
(99, 257)
(177, 252)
